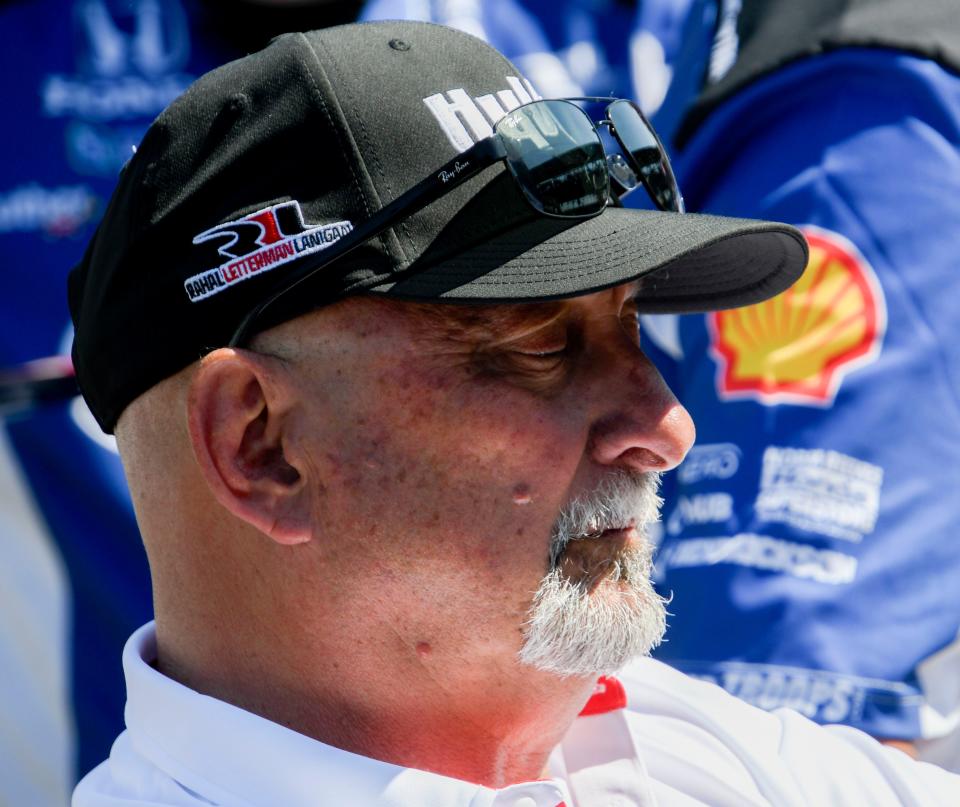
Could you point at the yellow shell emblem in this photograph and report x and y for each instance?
(798, 346)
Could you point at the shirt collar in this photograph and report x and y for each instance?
(233, 757)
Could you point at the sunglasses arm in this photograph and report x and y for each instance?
(449, 176)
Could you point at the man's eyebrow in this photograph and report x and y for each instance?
(489, 323)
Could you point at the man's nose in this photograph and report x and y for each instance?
(643, 426)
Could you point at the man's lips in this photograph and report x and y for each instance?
(612, 538)
(629, 532)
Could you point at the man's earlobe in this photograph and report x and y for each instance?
(236, 410)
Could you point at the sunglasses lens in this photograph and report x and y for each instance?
(555, 153)
(649, 160)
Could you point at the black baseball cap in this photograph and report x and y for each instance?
(264, 161)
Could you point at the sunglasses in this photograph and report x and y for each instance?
(553, 150)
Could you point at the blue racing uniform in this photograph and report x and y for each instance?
(808, 538)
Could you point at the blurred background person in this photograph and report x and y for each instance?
(82, 81)
(808, 538)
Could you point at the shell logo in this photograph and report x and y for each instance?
(797, 347)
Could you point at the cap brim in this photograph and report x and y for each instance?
(689, 262)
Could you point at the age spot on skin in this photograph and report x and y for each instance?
(521, 494)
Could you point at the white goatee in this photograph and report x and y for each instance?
(573, 631)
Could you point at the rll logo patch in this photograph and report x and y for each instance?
(259, 243)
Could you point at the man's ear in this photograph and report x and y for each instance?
(237, 410)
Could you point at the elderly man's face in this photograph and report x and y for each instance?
(484, 474)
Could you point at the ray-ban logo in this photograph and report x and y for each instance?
(458, 167)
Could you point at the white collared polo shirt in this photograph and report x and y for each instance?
(659, 739)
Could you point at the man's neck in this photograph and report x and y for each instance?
(495, 728)
(478, 734)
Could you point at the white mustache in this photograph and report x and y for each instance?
(623, 499)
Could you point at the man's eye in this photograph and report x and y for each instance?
(550, 353)
(545, 358)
